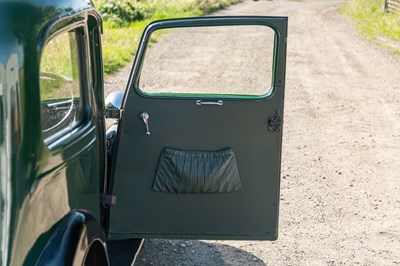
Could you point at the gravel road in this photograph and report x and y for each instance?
(340, 194)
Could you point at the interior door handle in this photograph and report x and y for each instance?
(200, 102)
(145, 117)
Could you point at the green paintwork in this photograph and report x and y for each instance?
(176, 122)
(45, 183)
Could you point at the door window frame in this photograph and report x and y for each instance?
(62, 26)
(276, 81)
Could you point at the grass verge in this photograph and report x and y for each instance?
(120, 43)
(378, 25)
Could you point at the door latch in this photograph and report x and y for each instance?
(275, 122)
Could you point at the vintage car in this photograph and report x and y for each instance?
(176, 164)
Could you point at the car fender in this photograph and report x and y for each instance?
(77, 240)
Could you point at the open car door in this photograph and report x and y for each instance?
(198, 150)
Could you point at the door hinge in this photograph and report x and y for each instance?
(113, 113)
(275, 122)
(108, 199)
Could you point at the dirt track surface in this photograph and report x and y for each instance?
(340, 189)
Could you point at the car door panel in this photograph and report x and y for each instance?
(231, 140)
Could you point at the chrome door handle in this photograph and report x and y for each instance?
(200, 102)
(145, 117)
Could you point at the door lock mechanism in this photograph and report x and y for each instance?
(145, 117)
(275, 122)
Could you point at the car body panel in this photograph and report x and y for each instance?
(46, 182)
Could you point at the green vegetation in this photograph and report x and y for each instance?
(124, 21)
(378, 25)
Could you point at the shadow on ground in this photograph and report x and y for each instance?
(193, 252)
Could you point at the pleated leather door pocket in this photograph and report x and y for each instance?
(196, 172)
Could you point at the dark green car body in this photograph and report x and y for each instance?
(57, 200)
(44, 184)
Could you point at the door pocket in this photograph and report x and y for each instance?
(197, 172)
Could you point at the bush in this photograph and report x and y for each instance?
(123, 12)
(208, 6)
